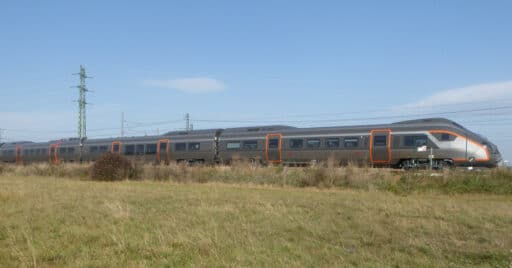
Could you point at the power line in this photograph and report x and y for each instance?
(388, 109)
(323, 121)
(480, 113)
(361, 118)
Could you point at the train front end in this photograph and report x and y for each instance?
(479, 151)
(494, 154)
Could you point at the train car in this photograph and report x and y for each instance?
(197, 146)
(408, 144)
(246, 143)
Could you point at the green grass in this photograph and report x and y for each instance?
(48, 221)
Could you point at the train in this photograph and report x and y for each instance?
(433, 142)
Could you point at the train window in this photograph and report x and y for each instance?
(415, 141)
(129, 149)
(420, 141)
(139, 149)
(313, 143)
(93, 149)
(233, 145)
(332, 142)
(103, 149)
(250, 145)
(151, 148)
(115, 147)
(25, 152)
(296, 143)
(273, 143)
(351, 142)
(44, 151)
(163, 146)
(71, 150)
(444, 136)
(62, 150)
(409, 141)
(193, 146)
(380, 140)
(180, 146)
(447, 137)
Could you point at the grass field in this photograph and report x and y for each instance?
(49, 221)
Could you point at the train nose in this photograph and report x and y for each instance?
(496, 158)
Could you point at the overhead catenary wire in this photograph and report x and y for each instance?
(475, 113)
(333, 120)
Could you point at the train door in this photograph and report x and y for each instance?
(53, 154)
(163, 151)
(274, 148)
(380, 146)
(19, 155)
(116, 148)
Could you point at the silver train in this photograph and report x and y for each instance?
(408, 144)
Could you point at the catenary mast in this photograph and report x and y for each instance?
(82, 126)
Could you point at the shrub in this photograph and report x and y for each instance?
(110, 167)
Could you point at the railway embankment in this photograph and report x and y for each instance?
(451, 181)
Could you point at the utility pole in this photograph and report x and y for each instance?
(122, 124)
(187, 122)
(82, 127)
(82, 89)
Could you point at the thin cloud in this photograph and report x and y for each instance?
(189, 85)
(475, 93)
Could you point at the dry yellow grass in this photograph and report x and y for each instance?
(47, 221)
(495, 181)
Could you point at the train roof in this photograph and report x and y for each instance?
(269, 128)
(429, 121)
(424, 123)
(190, 132)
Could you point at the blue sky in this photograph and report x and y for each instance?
(232, 63)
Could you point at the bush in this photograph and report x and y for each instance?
(110, 167)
